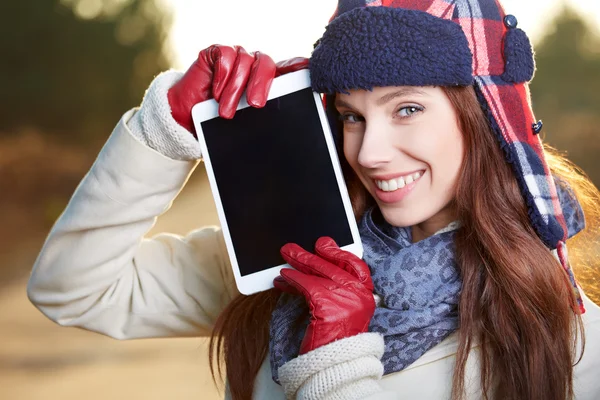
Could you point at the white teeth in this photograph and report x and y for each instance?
(398, 183)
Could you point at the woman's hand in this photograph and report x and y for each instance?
(224, 73)
(337, 286)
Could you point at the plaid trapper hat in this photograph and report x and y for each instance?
(450, 43)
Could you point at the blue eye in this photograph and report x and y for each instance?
(350, 118)
(408, 111)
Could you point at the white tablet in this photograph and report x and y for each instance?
(276, 179)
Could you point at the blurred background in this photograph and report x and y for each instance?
(70, 68)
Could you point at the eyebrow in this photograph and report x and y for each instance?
(405, 91)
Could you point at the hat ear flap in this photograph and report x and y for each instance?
(518, 55)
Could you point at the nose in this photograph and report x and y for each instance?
(376, 149)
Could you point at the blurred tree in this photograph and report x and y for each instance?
(72, 67)
(566, 89)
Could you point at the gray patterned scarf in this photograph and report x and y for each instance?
(419, 285)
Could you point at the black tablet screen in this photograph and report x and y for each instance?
(275, 179)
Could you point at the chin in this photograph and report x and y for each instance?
(401, 217)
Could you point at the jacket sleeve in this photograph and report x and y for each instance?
(97, 271)
(347, 369)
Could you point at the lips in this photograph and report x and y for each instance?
(393, 190)
(397, 183)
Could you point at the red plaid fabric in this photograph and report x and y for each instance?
(439, 8)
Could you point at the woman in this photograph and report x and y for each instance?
(464, 239)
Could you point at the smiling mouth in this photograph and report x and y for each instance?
(398, 183)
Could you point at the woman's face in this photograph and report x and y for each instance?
(405, 145)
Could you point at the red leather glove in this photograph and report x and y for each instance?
(337, 286)
(223, 73)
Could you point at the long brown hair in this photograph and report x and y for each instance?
(514, 302)
(515, 307)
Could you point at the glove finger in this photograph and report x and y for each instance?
(236, 84)
(307, 285)
(312, 264)
(329, 250)
(221, 59)
(260, 80)
(291, 65)
(280, 283)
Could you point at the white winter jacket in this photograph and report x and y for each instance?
(97, 271)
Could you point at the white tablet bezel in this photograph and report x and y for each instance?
(285, 84)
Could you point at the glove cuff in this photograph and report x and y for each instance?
(346, 367)
(154, 125)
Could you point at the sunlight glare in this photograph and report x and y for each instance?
(88, 9)
(282, 29)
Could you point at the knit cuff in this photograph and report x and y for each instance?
(346, 369)
(154, 125)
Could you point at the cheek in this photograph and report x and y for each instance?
(351, 148)
(447, 160)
